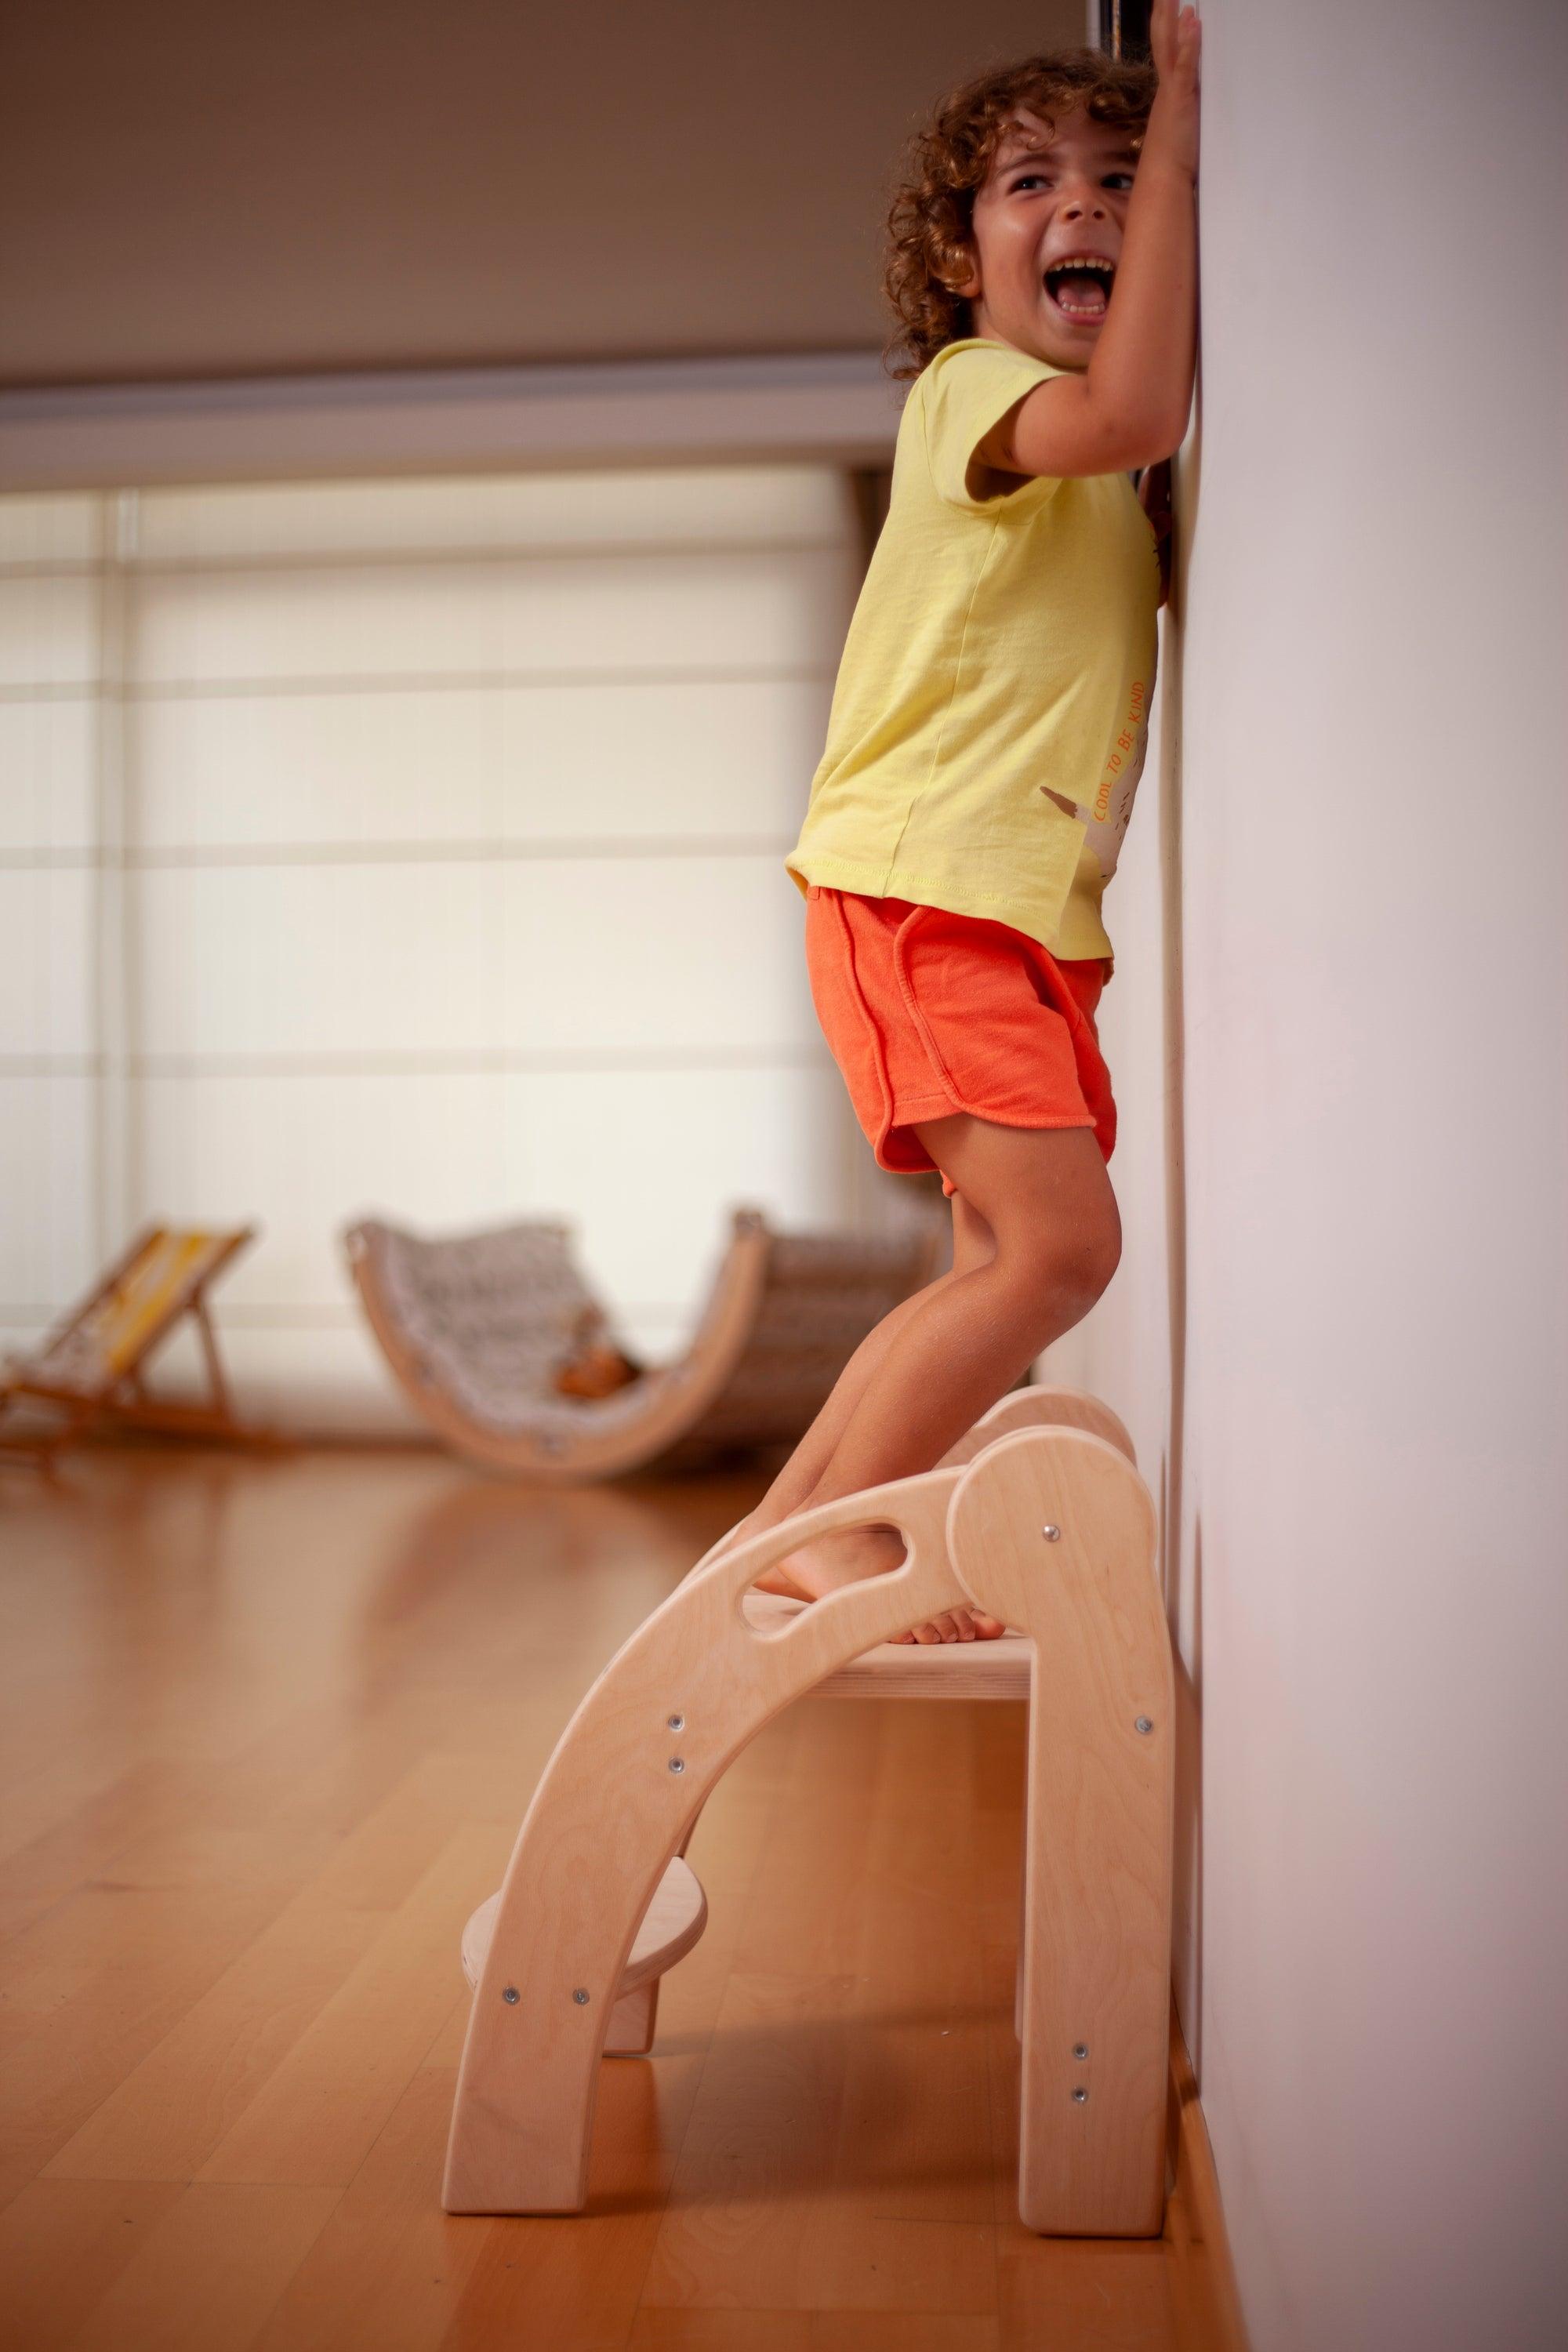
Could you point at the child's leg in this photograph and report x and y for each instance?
(972, 1244)
(1045, 1196)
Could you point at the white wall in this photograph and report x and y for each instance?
(1338, 1025)
(415, 846)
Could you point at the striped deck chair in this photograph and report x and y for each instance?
(89, 1372)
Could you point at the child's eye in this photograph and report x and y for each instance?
(1125, 177)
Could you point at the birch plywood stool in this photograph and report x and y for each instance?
(1050, 1529)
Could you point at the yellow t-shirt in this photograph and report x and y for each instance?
(1002, 651)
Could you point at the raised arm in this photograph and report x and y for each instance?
(1128, 407)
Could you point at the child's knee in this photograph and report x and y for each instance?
(1101, 1258)
(1070, 1271)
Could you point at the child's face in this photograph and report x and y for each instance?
(1055, 191)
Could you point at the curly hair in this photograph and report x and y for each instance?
(930, 220)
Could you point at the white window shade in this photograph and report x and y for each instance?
(414, 846)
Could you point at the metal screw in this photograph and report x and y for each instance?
(1051, 1534)
(678, 1763)
(1144, 1724)
(511, 1996)
(1079, 2096)
(581, 1995)
(1080, 2050)
(675, 1723)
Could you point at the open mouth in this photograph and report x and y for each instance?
(1080, 288)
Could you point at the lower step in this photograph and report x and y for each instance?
(671, 1923)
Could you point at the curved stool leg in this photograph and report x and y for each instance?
(693, 1685)
(1054, 1531)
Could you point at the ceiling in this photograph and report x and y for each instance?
(191, 191)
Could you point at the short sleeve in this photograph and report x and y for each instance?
(966, 391)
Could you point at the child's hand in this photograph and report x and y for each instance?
(1175, 39)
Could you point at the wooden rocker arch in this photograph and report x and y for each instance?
(473, 1326)
(1052, 1530)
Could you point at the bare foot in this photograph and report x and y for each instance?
(829, 1562)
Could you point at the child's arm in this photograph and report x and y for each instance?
(1130, 406)
(1153, 489)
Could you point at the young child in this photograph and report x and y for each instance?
(987, 735)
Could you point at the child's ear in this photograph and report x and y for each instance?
(959, 269)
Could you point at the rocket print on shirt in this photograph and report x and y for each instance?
(1106, 819)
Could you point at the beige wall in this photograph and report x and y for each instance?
(192, 191)
(1338, 1024)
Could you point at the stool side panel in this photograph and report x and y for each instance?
(611, 1811)
(1096, 1935)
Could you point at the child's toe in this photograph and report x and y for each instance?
(936, 1629)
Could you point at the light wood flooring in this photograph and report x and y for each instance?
(270, 1725)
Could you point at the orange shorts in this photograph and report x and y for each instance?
(928, 1013)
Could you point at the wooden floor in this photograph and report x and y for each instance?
(270, 1726)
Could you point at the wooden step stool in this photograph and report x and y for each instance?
(1049, 1529)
